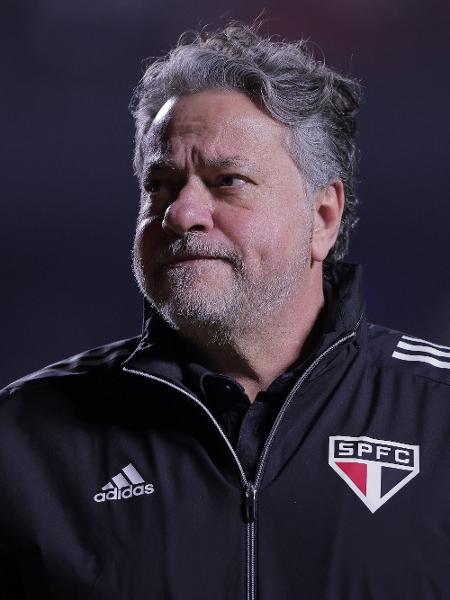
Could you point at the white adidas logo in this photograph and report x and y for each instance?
(121, 487)
(417, 350)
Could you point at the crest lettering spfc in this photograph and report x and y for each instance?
(374, 469)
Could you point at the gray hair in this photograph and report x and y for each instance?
(317, 104)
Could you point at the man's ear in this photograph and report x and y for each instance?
(327, 214)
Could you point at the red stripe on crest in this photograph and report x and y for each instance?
(357, 473)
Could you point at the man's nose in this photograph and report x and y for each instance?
(190, 211)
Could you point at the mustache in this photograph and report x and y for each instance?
(195, 245)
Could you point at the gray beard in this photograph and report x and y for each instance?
(220, 318)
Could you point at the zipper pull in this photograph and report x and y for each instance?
(249, 504)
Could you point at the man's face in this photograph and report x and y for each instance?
(219, 187)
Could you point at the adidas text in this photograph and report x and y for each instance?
(124, 493)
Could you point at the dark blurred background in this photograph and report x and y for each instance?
(69, 199)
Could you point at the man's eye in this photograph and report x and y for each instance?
(231, 180)
(152, 186)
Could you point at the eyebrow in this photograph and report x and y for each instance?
(161, 163)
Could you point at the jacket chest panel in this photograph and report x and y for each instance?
(130, 514)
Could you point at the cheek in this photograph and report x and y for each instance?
(146, 241)
(275, 241)
(258, 238)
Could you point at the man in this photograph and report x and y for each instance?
(260, 439)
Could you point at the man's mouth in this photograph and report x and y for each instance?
(177, 260)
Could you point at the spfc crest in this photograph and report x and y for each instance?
(374, 469)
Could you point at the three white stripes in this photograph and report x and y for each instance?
(133, 475)
(419, 350)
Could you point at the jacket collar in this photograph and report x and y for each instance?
(161, 350)
(343, 291)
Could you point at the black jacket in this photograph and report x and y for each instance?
(117, 481)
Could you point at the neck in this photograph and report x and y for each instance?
(256, 358)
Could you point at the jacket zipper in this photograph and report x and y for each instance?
(251, 489)
(250, 518)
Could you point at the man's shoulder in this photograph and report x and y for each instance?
(409, 354)
(92, 362)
